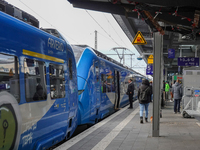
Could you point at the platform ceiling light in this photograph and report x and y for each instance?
(139, 57)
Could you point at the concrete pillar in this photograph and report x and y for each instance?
(158, 72)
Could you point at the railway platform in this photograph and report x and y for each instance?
(123, 131)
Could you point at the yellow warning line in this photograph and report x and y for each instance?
(38, 55)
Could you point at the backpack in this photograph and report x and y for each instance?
(143, 94)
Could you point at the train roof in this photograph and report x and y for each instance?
(18, 13)
(78, 50)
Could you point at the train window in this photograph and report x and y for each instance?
(35, 80)
(107, 83)
(110, 83)
(70, 69)
(103, 83)
(57, 81)
(9, 75)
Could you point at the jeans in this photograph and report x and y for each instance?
(142, 106)
(151, 97)
(177, 104)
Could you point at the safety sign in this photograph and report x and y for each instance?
(150, 59)
(139, 39)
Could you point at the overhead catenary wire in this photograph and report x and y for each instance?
(114, 29)
(105, 36)
(47, 21)
(102, 28)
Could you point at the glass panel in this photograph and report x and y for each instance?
(110, 83)
(9, 75)
(57, 81)
(35, 80)
(103, 83)
(188, 73)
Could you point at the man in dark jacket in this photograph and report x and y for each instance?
(144, 97)
(177, 92)
(130, 92)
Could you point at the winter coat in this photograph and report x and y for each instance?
(167, 87)
(177, 90)
(151, 86)
(130, 89)
(143, 87)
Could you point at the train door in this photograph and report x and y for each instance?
(117, 89)
(72, 84)
(95, 92)
(97, 86)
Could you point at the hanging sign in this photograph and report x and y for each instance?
(188, 61)
(149, 70)
(139, 39)
(171, 53)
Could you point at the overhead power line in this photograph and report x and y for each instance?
(102, 28)
(114, 29)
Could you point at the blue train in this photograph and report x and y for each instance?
(102, 84)
(41, 102)
(38, 87)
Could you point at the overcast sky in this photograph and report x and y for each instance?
(78, 26)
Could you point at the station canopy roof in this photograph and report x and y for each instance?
(180, 25)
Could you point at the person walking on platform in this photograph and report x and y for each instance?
(177, 92)
(130, 92)
(144, 97)
(172, 96)
(167, 90)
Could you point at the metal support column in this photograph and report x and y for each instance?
(165, 74)
(157, 72)
(161, 78)
(196, 49)
(95, 44)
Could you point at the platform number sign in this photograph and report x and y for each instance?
(149, 70)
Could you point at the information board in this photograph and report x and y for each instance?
(188, 61)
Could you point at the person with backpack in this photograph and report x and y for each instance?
(144, 97)
(177, 92)
(151, 86)
(130, 92)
